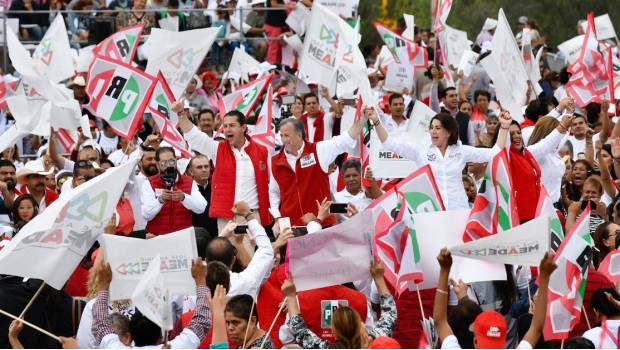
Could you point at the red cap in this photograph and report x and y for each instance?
(490, 330)
(385, 343)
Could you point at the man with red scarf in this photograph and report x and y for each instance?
(317, 124)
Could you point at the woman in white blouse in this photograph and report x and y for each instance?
(446, 155)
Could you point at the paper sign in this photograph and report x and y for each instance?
(435, 230)
(571, 48)
(456, 42)
(129, 258)
(399, 77)
(152, 298)
(420, 122)
(387, 164)
(467, 62)
(604, 27)
(524, 245)
(299, 19)
(337, 254)
(170, 23)
(343, 8)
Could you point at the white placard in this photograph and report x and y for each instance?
(571, 48)
(467, 62)
(130, 257)
(456, 42)
(604, 27)
(398, 77)
(299, 19)
(343, 8)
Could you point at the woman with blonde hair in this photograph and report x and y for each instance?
(552, 167)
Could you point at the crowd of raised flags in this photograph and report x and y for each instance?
(492, 259)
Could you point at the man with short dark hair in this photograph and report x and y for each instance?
(168, 198)
(395, 121)
(353, 193)
(241, 166)
(206, 120)
(8, 192)
(318, 124)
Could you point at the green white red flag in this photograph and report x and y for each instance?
(495, 208)
(567, 283)
(122, 45)
(403, 50)
(610, 266)
(545, 208)
(263, 132)
(245, 97)
(119, 94)
(395, 235)
(162, 99)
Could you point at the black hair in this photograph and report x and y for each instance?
(6, 162)
(482, 93)
(352, 164)
(217, 273)
(444, 92)
(143, 331)
(592, 112)
(220, 249)
(600, 303)
(206, 110)
(464, 314)
(234, 113)
(82, 164)
(108, 162)
(161, 150)
(240, 306)
(564, 76)
(394, 96)
(535, 109)
(448, 123)
(579, 343)
(310, 94)
(191, 161)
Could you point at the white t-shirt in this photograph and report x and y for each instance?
(108, 144)
(452, 343)
(594, 335)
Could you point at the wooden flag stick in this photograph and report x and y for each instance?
(586, 316)
(417, 288)
(30, 325)
(273, 322)
(247, 328)
(36, 294)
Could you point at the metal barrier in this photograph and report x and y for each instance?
(238, 12)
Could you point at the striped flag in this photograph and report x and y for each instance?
(610, 266)
(245, 97)
(495, 208)
(567, 283)
(263, 132)
(122, 45)
(171, 135)
(589, 81)
(545, 208)
(531, 63)
(66, 140)
(403, 50)
(395, 235)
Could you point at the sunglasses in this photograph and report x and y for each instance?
(167, 163)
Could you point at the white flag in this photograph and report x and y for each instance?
(178, 55)
(129, 258)
(52, 245)
(242, 63)
(152, 298)
(52, 56)
(525, 245)
(456, 42)
(505, 67)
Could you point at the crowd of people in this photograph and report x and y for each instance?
(246, 201)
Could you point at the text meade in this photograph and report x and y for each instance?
(389, 155)
(503, 251)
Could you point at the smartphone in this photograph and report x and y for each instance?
(288, 99)
(241, 229)
(584, 204)
(299, 231)
(284, 223)
(349, 102)
(338, 208)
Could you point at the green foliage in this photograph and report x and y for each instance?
(557, 19)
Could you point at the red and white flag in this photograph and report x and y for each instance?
(8, 87)
(403, 50)
(441, 13)
(263, 132)
(122, 45)
(590, 78)
(171, 135)
(567, 283)
(610, 266)
(66, 140)
(245, 97)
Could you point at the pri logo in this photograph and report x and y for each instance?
(247, 99)
(163, 106)
(126, 92)
(182, 57)
(124, 46)
(328, 307)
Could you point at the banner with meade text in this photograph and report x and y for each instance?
(52, 57)
(325, 251)
(245, 97)
(178, 55)
(152, 298)
(495, 207)
(129, 259)
(524, 245)
(567, 283)
(119, 94)
(52, 245)
(122, 45)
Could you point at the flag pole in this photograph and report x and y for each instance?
(562, 344)
(36, 294)
(30, 325)
(247, 328)
(417, 288)
(273, 322)
(586, 316)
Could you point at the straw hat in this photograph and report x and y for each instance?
(33, 167)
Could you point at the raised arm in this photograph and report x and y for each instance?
(505, 119)
(440, 307)
(303, 335)
(604, 118)
(547, 266)
(197, 140)
(550, 143)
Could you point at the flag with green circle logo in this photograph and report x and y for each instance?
(245, 97)
(122, 45)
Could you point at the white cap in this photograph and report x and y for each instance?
(489, 24)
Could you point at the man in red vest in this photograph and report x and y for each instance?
(317, 124)
(169, 198)
(300, 180)
(241, 167)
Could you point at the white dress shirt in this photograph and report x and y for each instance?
(245, 178)
(257, 272)
(359, 200)
(326, 150)
(151, 205)
(551, 165)
(447, 168)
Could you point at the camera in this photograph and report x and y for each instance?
(169, 176)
